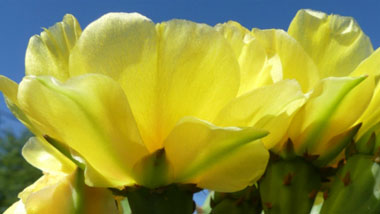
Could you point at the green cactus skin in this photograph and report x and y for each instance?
(356, 189)
(289, 186)
(246, 201)
(172, 199)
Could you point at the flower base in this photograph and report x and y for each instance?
(289, 186)
(172, 199)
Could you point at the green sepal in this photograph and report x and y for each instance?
(65, 150)
(356, 188)
(153, 170)
(365, 142)
(367, 147)
(340, 142)
(229, 206)
(339, 88)
(351, 150)
(78, 192)
(289, 186)
(288, 152)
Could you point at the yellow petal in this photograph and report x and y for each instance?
(372, 114)
(175, 69)
(16, 208)
(198, 74)
(221, 159)
(333, 107)
(89, 113)
(295, 62)
(99, 201)
(114, 43)
(48, 53)
(50, 192)
(45, 157)
(94, 178)
(237, 35)
(371, 67)
(251, 56)
(335, 43)
(269, 108)
(66, 194)
(242, 167)
(124, 46)
(8, 88)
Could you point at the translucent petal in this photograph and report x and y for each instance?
(16, 208)
(124, 47)
(240, 168)
(335, 43)
(89, 113)
(45, 157)
(8, 88)
(48, 53)
(295, 62)
(255, 70)
(221, 159)
(115, 43)
(175, 69)
(66, 194)
(331, 109)
(269, 108)
(50, 192)
(198, 74)
(371, 67)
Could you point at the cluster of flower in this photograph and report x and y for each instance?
(130, 108)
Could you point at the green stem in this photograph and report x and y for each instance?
(289, 186)
(356, 188)
(246, 201)
(172, 199)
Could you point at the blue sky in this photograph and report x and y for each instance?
(20, 19)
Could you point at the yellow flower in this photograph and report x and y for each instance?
(153, 104)
(61, 189)
(338, 57)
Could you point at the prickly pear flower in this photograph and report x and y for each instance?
(153, 104)
(61, 189)
(339, 58)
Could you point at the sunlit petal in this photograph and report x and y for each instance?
(48, 53)
(222, 159)
(335, 43)
(255, 70)
(330, 110)
(269, 108)
(90, 114)
(295, 62)
(42, 155)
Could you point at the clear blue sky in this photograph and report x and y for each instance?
(20, 19)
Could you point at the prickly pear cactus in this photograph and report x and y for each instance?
(289, 186)
(246, 201)
(356, 188)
